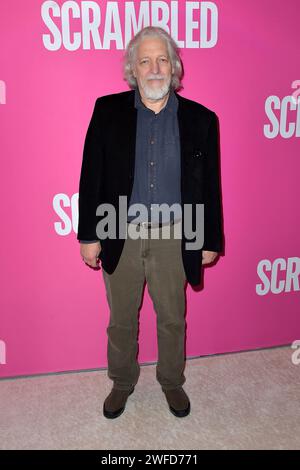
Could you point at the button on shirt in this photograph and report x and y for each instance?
(157, 177)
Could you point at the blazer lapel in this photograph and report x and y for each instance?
(130, 121)
(184, 125)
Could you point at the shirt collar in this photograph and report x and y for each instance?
(171, 105)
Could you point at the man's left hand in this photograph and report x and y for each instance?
(208, 256)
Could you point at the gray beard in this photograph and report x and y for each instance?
(158, 93)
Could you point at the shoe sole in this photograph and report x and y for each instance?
(180, 413)
(113, 415)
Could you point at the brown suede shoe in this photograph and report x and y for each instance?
(178, 402)
(115, 402)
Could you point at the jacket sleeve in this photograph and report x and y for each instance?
(213, 239)
(91, 178)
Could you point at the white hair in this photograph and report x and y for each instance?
(131, 50)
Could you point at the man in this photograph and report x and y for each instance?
(151, 146)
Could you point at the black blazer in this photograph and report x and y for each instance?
(107, 172)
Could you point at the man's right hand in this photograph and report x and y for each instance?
(90, 253)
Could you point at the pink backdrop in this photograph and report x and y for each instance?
(54, 311)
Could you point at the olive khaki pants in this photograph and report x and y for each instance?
(154, 257)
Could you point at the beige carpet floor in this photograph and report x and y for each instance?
(246, 400)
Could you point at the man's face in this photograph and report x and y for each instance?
(153, 68)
